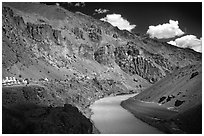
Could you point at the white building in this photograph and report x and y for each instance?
(10, 81)
(46, 79)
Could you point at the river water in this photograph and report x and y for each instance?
(110, 118)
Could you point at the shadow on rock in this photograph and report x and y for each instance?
(33, 119)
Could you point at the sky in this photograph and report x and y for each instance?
(165, 20)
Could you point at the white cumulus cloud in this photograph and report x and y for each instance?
(101, 11)
(166, 30)
(188, 41)
(119, 21)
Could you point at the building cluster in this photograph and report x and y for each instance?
(13, 81)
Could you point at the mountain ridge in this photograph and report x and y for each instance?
(83, 59)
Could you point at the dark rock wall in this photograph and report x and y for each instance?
(33, 119)
(131, 62)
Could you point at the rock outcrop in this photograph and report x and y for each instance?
(83, 58)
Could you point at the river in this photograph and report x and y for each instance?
(110, 118)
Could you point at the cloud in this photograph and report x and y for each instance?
(172, 43)
(79, 4)
(75, 4)
(164, 31)
(188, 41)
(119, 21)
(100, 11)
(69, 4)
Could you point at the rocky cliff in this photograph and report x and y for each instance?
(83, 58)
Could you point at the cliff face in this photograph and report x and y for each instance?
(83, 58)
(60, 42)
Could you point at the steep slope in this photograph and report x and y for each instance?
(180, 97)
(83, 59)
(64, 39)
(183, 85)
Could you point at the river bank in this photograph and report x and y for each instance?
(153, 114)
(25, 109)
(110, 118)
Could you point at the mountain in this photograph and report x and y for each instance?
(81, 58)
(178, 96)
